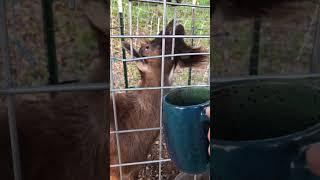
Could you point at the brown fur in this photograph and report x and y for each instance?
(140, 109)
(63, 138)
(59, 138)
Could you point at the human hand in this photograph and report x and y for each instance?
(313, 158)
(208, 114)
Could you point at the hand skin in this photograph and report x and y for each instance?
(313, 158)
(208, 114)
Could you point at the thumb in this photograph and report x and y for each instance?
(313, 158)
(209, 141)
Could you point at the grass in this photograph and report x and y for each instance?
(147, 20)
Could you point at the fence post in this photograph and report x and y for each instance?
(49, 34)
(255, 51)
(315, 61)
(5, 53)
(192, 40)
(125, 69)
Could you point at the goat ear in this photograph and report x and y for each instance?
(193, 60)
(179, 30)
(96, 12)
(127, 47)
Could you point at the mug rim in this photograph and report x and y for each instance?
(206, 103)
(293, 137)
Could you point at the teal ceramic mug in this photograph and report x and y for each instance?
(186, 126)
(262, 129)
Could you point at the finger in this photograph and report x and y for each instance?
(208, 111)
(209, 141)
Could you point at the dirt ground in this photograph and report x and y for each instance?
(151, 171)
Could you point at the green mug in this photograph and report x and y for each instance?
(186, 126)
(262, 129)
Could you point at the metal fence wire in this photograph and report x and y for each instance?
(135, 21)
(10, 89)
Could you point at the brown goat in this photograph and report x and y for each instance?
(63, 138)
(141, 109)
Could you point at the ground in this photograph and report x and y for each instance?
(151, 171)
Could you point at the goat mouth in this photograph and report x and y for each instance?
(143, 60)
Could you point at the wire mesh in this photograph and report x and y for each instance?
(286, 42)
(5, 52)
(144, 19)
(14, 49)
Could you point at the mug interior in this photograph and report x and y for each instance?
(188, 96)
(260, 110)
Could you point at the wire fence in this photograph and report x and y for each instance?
(135, 21)
(11, 89)
(296, 42)
(75, 47)
(277, 45)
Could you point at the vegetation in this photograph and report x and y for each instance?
(147, 19)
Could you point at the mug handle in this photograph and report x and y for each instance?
(299, 167)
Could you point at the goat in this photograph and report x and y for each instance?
(63, 138)
(141, 109)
